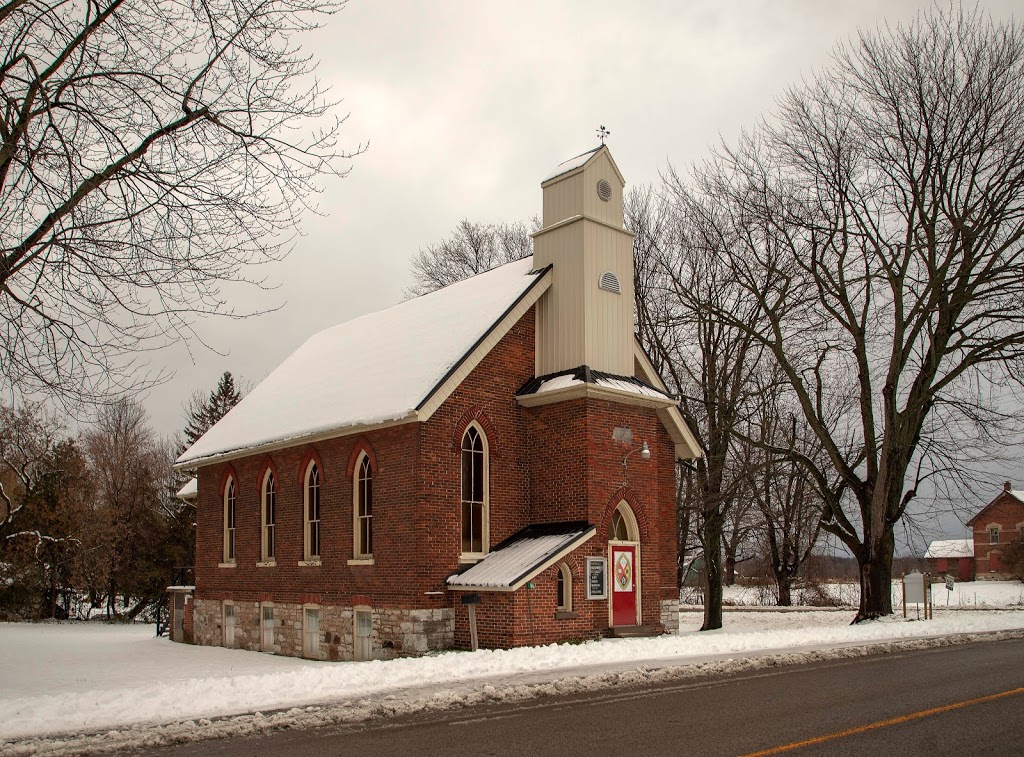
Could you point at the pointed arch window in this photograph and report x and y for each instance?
(362, 511)
(475, 492)
(564, 588)
(312, 514)
(229, 521)
(269, 510)
(623, 525)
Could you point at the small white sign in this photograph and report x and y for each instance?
(914, 588)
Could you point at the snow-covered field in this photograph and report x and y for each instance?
(80, 678)
(972, 594)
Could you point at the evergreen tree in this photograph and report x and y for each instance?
(202, 415)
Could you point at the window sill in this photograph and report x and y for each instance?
(267, 564)
(231, 564)
(566, 615)
(470, 559)
(361, 561)
(309, 563)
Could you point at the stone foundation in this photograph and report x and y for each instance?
(670, 615)
(395, 632)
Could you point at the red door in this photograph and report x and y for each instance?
(965, 568)
(995, 562)
(624, 576)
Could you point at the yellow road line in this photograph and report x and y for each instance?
(883, 723)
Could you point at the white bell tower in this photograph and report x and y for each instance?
(586, 317)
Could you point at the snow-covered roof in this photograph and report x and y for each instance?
(522, 556)
(377, 368)
(189, 490)
(572, 163)
(583, 375)
(1017, 494)
(951, 548)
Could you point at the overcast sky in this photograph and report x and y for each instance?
(467, 105)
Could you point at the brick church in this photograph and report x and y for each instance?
(491, 463)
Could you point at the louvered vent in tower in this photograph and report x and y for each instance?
(609, 282)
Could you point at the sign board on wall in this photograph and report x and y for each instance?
(597, 578)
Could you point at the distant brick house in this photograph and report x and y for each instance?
(998, 524)
(503, 440)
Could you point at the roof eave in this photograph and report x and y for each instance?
(594, 391)
(332, 433)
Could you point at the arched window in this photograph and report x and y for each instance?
(564, 588)
(474, 492)
(229, 521)
(623, 525)
(312, 513)
(362, 511)
(269, 515)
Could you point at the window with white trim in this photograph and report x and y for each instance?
(229, 521)
(269, 515)
(312, 513)
(475, 488)
(564, 588)
(993, 534)
(623, 526)
(363, 510)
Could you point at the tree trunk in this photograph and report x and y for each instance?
(713, 567)
(875, 564)
(683, 526)
(730, 570)
(785, 583)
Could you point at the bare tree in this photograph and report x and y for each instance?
(150, 152)
(651, 219)
(741, 525)
(879, 224)
(709, 362)
(130, 467)
(471, 249)
(781, 488)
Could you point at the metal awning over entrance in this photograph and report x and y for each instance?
(522, 556)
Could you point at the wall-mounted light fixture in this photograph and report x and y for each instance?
(645, 454)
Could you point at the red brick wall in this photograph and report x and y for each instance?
(552, 463)
(1007, 512)
(417, 507)
(578, 474)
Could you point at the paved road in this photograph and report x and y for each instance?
(737, 715)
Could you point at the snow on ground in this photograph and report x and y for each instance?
(971, 594)
(60, 678)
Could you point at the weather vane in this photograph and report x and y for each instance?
(602, 133)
